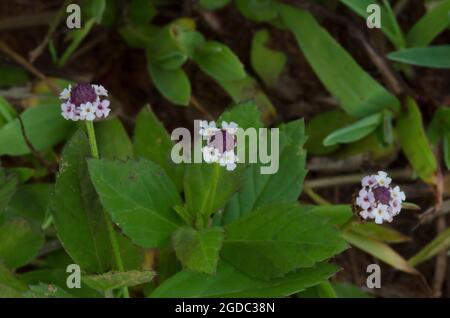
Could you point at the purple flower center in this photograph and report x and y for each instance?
(222, 141)
(82, 93)
(382, 195)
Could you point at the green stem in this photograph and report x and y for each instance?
(109, 225)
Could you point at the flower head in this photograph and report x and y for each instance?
(84, 102)
(220, 143)
(378, 200)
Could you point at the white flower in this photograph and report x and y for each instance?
(382, 179)
(396, 194)
(207, 129)
(381, 214)
(103, 109)
(65, 94)
(68, 111)
(231, 128)
(367, 214)
(369, 181)
(228, 159)
(100, 90)
(210, 154)
(87, 111)
(365, 199)
(396, 206)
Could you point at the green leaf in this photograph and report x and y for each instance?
(230, 283)
(95, 9)
(12, 76)
(335, 214)
(447, 150)
(113, 140)
(357, 92)
(213, 4)
(380, 250)
(219, 62)
(439, 125)
(138, 36)
(140, 198)
(414, 142)
(438, 244)
(7, 112)
(267, 63)
(347, 290)
(277, 239)
(19, 242)
(8, 186)
(142, 11)
(354, 132)
(151, 141)
(46, 291)
(172, 84)
(77, 37)
(113, 280)
(44, 127)
(284, 186)
(10, 286)
(257, 10)
(435, 21)
(433, 56)
(78, 217)
(198, 250)
(379, 232)
(389, 25)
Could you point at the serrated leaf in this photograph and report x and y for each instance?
(172, 84)
(356, 131)
(283, 186)
(78, 217)
(44, 127)
(357, 92)
(198, 250)
(275, 240)
(19, 242)
(438, 244)
(151, 141)
(140, 198)
(267, 63)
(113, 280)
(433, 56)
(46, 291)
(112, 139)
(380, 250)
(230, 283)
(336, 214)
(430, 25)
(414, 142)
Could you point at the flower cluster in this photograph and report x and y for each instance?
(84, 102)
(378, 200)
(220, 143)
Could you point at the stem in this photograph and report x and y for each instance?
(109, 225)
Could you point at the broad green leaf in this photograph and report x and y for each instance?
(78, 217)
(113, 280)
(140, 198)
(439, 244)
(172, 84)
(347, 290)
(267, 63)
(389, 26)
(257, 10)
(433, 56)
(46, 291)
(230, 283)
(440, 124)
(23, 173)
(219, 62)
(44, 127)
(354, 132)
(198, 250)
(142, 11)
(12, 76)
(414, 142)
(31, 202)
(77, 36)
(335, 214)
(379, 232)
(320, 126)
(245, 114)
(151, 141)
(277, 239)
(19, 242)
(281, 187)
(8, 186)
(213, 4)
(357, 92)
(113, 140)
(435, 21)
(380, 250)
(10, 286)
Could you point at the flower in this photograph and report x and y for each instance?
(84, 102)
(378, 200)
(220, 143)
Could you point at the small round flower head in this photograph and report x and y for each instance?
(378, 200)
(84, 102)
(220, 143)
